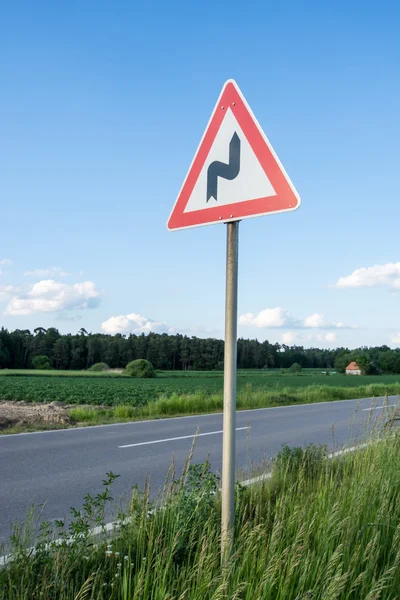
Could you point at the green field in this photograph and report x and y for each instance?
(109, 390)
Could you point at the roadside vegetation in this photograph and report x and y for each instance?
(95, 397)
(319, 529)
(247, 398)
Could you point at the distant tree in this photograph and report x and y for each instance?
(362, 360)
(38, 344)
(4, 356)
(61, 353)
(51, 337)
(99, 367)
(94, 345)
(389, 361)
(140, 368)
(41, 363)
(78, 361)
(39, 331)
(342, 360)
(295, 368)
(18, 348)
(373, 369)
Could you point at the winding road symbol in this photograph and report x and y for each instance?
(225, 170)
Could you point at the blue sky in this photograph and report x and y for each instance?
(102, 107)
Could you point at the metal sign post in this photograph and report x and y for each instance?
(252, 183)
(228, 449)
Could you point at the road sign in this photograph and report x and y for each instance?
(235, 173)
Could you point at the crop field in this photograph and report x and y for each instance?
(100, 389)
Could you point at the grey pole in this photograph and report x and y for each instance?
(228, 449)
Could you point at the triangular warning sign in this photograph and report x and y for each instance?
(235, 173)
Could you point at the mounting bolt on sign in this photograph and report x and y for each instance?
(235, 175)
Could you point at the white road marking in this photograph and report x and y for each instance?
(182, 437)
(376, 407)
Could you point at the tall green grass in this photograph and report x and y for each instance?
(320, 529)
(247, 398)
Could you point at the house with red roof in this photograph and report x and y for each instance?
(353, 369)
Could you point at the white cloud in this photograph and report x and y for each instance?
(396, 338)
(385, 275)
(289, 337)
(270, 317)
(315, 320)
(330, 337)
(49, 272)
(322, 337)
(279, 317)
(134, 323)
(52, 296)
(8, 290)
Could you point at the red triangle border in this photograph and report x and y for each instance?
(286, 198)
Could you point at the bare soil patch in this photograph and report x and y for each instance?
(28, 414)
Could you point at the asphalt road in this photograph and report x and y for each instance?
(58, 468)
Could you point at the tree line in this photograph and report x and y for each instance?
(176, 352)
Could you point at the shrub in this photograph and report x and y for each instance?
(140, 368)
(295, 368)
(41, 363)
(99, 367)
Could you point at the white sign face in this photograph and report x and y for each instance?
(251, 181)
(235, 173)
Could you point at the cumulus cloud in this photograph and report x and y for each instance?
(8, 290)
(52, 296)
(269, 317)
(49, 272)
(396, 338)
(315, 320)
(322, 337)
(330, 337)
(134, 323)
(387, 275)
(289, 337)
(279, 317)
